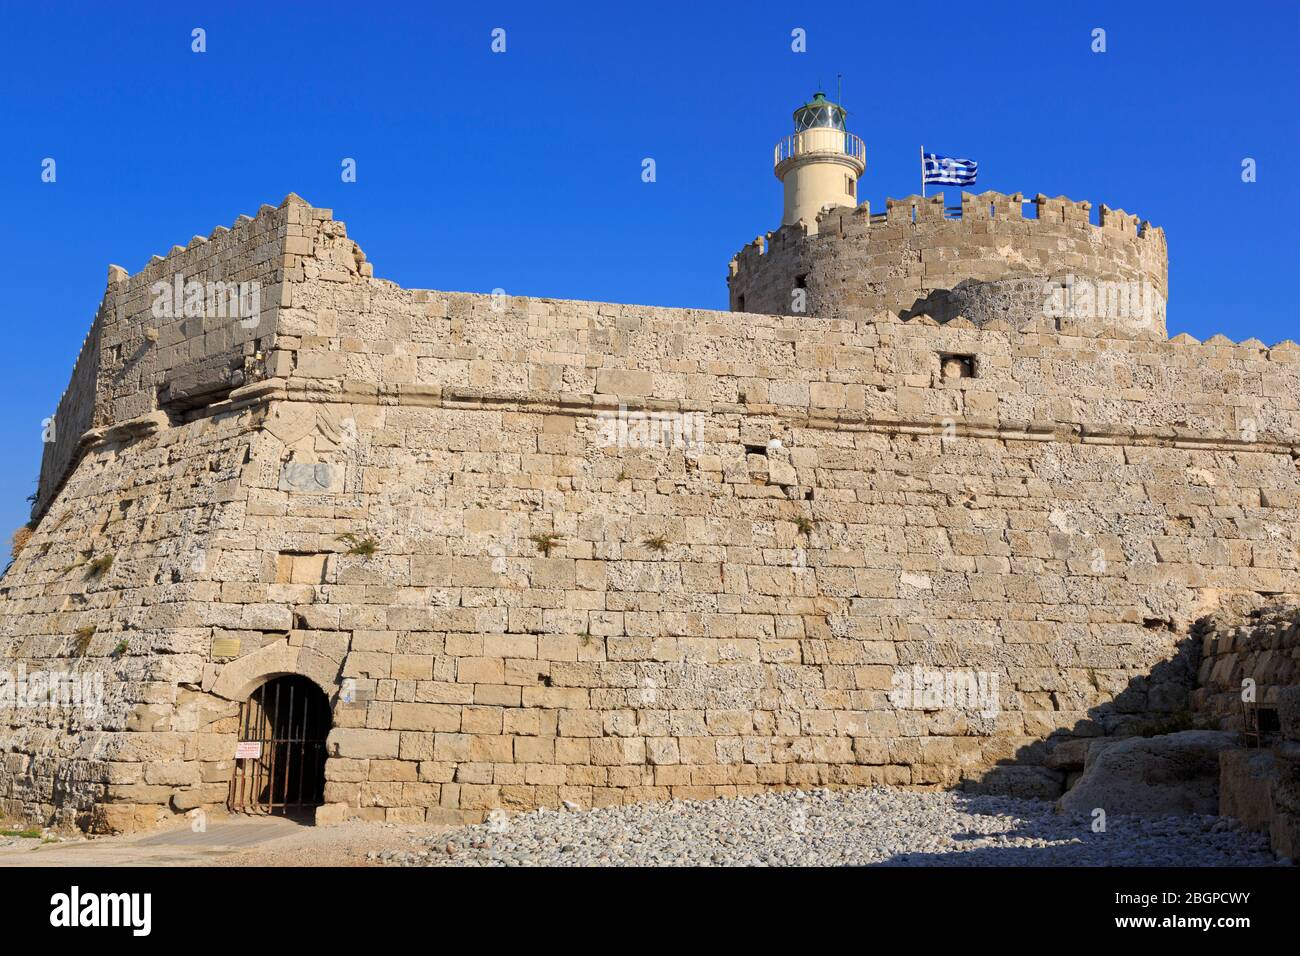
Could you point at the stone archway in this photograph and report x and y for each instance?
(238, 678)
(280, 754)
(256, 675)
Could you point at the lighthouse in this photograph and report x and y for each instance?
(819, 163)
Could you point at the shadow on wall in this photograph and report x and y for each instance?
(1156, 702)
(1005, 804)
(1013, 300)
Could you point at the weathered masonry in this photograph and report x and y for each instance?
(984, 260)
(448, 516)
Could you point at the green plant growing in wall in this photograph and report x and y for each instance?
(366, 547)
(20, 538)
(546, 541)
(804, 524)
(657, 542)
(84, 634)
(101, 564)
(121, 648)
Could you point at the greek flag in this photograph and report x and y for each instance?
(947, 171)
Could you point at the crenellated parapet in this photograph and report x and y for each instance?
(181, 333)
(1041, 264)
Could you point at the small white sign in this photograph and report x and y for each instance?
(248, 750)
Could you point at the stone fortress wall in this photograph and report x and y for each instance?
(547, 616)
(984, 260)
(147, 365)
(73, 417)
(1260, 644)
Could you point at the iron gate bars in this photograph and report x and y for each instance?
(287, 720)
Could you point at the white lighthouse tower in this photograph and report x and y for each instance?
(819, 164)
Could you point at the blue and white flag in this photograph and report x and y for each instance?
(947, 171)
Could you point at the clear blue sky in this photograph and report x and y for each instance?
(155, 143)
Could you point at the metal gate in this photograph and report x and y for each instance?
(280, 757)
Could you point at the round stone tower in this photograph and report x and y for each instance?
(819, 163)
(1039, 264)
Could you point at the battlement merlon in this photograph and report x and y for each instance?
(911, 257)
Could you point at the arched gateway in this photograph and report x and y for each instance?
(280, 756)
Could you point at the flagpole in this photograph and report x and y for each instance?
(922, 170)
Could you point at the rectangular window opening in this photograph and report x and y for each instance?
(954, 366)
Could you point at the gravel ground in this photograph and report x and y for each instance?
(829, 828)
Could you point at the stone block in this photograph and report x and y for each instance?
(311, 477)
(356, 742)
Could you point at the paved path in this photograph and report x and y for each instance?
(178, 846)
(228, 841)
